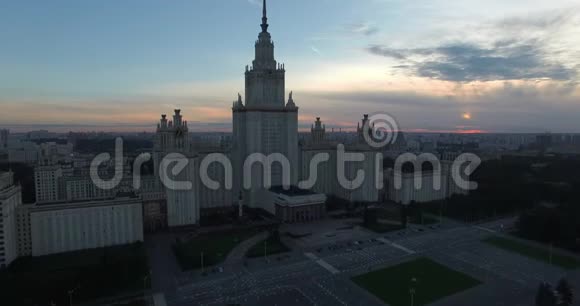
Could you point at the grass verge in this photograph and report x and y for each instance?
(538, 253)
(431, 282)
(215, 249)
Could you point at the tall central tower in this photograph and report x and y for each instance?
(265, 123)
(265, 78)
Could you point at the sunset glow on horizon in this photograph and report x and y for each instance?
(117, 66)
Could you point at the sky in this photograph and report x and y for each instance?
(434, 65)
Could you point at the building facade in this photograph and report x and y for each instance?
(65, 227)
(327, 173)
(296, 205)
(433, 185)
(10, 201)
(172, 145)
(264, 123)
(47, 180)
(4, 139)
(265, 137)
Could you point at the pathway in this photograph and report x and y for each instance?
(238, 254)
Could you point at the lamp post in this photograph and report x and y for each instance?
(201, 257)
(70, 294)
(240, 206)
(551, 252)
(265, 249)
(145, 278)
(413, 290)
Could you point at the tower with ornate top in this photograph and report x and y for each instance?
(264, 123)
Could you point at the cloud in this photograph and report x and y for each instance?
(507, 60)
(551, 20)
(508, 106)
(399, 54)
(315, 50)
(363, 28)
(514, 48)
(255, 2)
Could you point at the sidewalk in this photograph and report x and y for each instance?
(162, 261)
(238, 254)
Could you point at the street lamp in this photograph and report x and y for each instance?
(412, 290)
(70, 293)
(201, 256)
(265, 249)
(147, 276)
(551, 252)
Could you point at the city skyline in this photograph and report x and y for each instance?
(115, 67)
(254, 152)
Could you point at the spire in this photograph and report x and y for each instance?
(264, 18)
(291, 103)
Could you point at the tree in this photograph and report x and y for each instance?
(565, 293)
(546, 296)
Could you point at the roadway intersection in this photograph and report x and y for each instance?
(321, 276)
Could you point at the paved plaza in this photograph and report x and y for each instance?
(320, 275)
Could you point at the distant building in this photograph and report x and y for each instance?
(23, 229)
(40, 134)
(4, 139)
(51, 152)
(77, 188)
(47, 180)
(407, 193)
(10, 200)
(24, 152)
(544, 141)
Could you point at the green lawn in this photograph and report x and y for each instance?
(423, 220)
(215, 248)
(95, 273)
(433, 282)
(273, 246)
(538, 253)
(382, 227)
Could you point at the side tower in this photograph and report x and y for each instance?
(265, 124)
(172, 138)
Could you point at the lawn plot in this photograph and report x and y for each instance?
(538, 253)
(270, 246)
(88, 275)
(428, 280)
(215, 248)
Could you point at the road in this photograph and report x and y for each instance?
(321, 276)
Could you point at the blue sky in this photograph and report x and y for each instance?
(117, 65)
